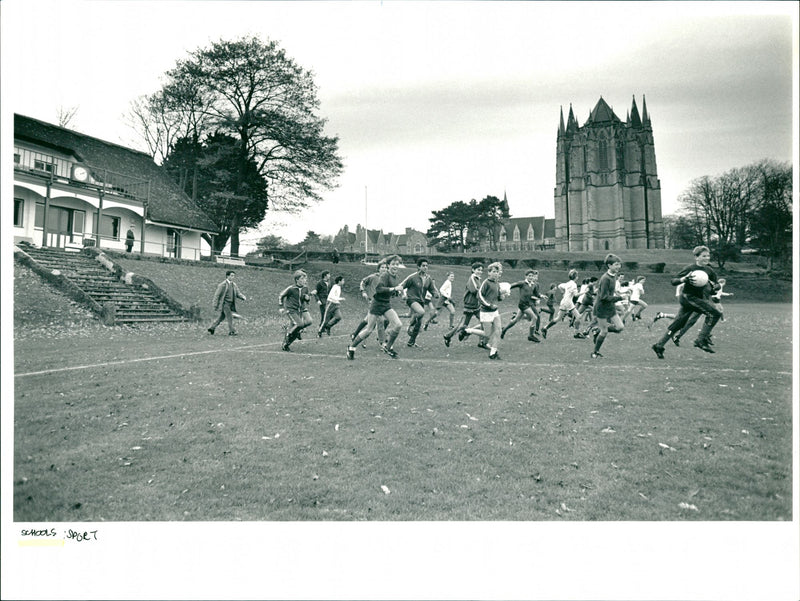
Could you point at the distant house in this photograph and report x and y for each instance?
(413, 242)
(72, 190)
(367, 241)
(523, 233)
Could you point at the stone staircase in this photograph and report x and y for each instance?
(134, 304)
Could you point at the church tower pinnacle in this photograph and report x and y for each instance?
(645, 116)
(634, 119)
(607, 194)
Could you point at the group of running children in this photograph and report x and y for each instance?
(596, 306)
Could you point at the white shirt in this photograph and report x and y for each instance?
(637, 291)
(570, 289)
(447, 289)
(335, 295)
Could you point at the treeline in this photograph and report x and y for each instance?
(747, 207)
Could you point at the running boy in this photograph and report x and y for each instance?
(381, 308)
(321, 292)
(605, 311)
(417, 285)
(471, 304)
(526, 307)
(445, 300)
(489, 295)
(367, 287)
(333, 313)
(637, 304)
(693, 301)
(567, 305)
(294, 302)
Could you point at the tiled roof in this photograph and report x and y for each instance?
(602, 113)
(168, 203)
(549, 228)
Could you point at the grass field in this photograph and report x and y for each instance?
(170, 423)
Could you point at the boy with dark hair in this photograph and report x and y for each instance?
(367, 287)
(333, 313)
(528, 295)
(471, 304)
(321, 291)
(293, 302)
(225, 302)
(605, 310)
(693, 300)
(417, 285)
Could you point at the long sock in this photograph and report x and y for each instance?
(361, 325)
(531, 331)
(599, 342)
(391, 338)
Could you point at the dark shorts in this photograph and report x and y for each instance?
(379, 308)
(605, 310)
(474, 312)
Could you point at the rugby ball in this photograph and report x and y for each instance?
(698, 278)
(505, 288)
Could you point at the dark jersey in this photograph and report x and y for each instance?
(471, 302)
(606, 297)
(295, 298)
(417, 285)
(528, 293)
(696, 291)
(489, 295)
(383, 288)
(322, 289)
(368, 284)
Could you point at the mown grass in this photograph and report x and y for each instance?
(169, 423)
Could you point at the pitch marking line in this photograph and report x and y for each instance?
(587, 362)
(137, 360)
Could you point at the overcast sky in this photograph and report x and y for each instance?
(435, 102)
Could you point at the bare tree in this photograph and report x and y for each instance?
(66, 115)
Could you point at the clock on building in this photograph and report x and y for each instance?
(80, 174)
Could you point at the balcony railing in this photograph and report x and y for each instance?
(98, 179)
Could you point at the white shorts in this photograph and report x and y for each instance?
(488, 316)
(566, 307)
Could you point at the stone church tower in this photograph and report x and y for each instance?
(607, 194)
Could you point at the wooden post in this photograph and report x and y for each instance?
(46, 209)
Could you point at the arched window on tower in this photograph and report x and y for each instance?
(602, 158)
